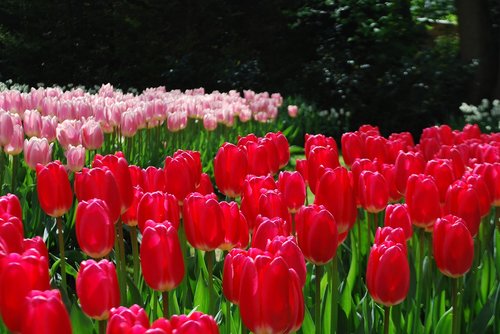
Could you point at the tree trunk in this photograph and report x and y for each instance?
(477, 43)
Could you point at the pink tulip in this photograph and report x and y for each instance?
(15, 146)
(49, 126)
(32, 121)
(293, 111)
(6, 127)
(68, 133)
(75, 158)
(92, 135)
(37, 151)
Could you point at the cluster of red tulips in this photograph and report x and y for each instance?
(445, 185)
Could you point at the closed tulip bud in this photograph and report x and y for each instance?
(491, 174)
(153, 179)
(136, 175)
(158, 207)
(19, 274)
(352, 147)
(387, 233)
(272, 204)
(182, 173)
(203, 222)
(483, 193)
(68, 133)
(422, 198)
(388, 273)
(319, 159)
(271, 300)
(316, 234)
(289, 250)
(127, 320)
(407, 163)
(336, 193)
(282, 147)
(16, 143)
(293, 188)
(205, 187)
(442, 171)
(319, 140)
(257, 157)
(267, 229)
(301, 167)
(97, 288)
(233, 266)
(130, 216)
(129, 124)
(397, 215)
(37, 151)
(195, 322)
(32, 122)
(462, 201)
(75, 158)
(453, 246)
(92, 135)
(161, 256)
(272, 155)
(95, 231)
(230, 169)
(235, 227)
(210, 122)
(375, 148)
(369, 130)
(53, 188)
(10, 206)
(389, 173)
(253, 187)
(11, 234)
(49, 126)
(373, 191)
(118, 165)
(45, 313)
(292, 111)
(6, 127)
(38, 245)
(99, 183)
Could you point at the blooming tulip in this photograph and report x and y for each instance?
(37, 151)
(16, 143)
(397, 215)
(443, 173)
(92, 135)
(97, 288)
(68, 133)
(422, 198)
(127, 320)
(482, 191)
(352, 147)
(268, 228)
(75, 158)
(158, 207)
(293, 188)
(45, 313)
(32, 123)
(10, 206)
(182, 173)
(161, 256)
(373, 192)
(253, 187)
(53, 188)
(282, 147)
(319, 159)
(230, 169)
(6, 127)
(407, 163)
(152, 179)
(95, 231)
(195, 322)
(11, 234)
(462, 201)
(234, 225)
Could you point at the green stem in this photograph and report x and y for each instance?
(61, 253)
(102, 326)
(164, 297)
(120, 259)
(317, 300)
(334, 285)
(210, 267)
(497, 217)
(375, 220)
(387, 318)
(135, 253)
(454, 301)
(228, 316)
(2, 167)
(15, 166)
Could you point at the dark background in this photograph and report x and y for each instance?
(385, 62)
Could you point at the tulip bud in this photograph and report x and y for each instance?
(235, 227)
(75, 158)
(32, 122)
(267, 229)
(397, 215)
(10, 206)
(182, 173)
(95, 231)
(45, 313)
(293, 188)
(127, 320)
(292, 111)
(53, 188)
(230, 169)
(6, 127)
(37, 151)
(320, 158)
(422, 198)
(352, 147)
(407, 163)
(442, 171)
(253, 187)
(16, 143)
(11, 234)
(373, 192)
(462, 201)
(195, 322)
(282, 147)
(92, 135)
(158, 207)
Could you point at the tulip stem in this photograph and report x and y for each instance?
(121, 261)
(334, 284)
(317, 308)
(15, 166)
(210, 268)
(454, 302)
(164, 299)
(2, 167)
(497, 217)
(228, 316)
(61, 253)
(135, 252)
(387, 318)
(102, 326)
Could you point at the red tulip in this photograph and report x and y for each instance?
(442, 171)
(369, 130)
(203, 221)
(336, 193)
(129, 217)
(375, 148)
(233, 265)
(205, 187)
(282, 147)
(267, 229)
(38, 245)
(230, 169)
(373, 191)
(301, 167)
(453, 247)
(491, 174)
(388, 273)
(95, 231)
(53, 188)
(462, 201)
(293, 188)
(235, 227)
(195, 322)
(389, 173)
(397, 215)
(97, 288)
(118, 165)
(271, 204)
(136, 175)
(319, 159)
(45, 313)
(271, 299)
(316, 234)
(483, 193)
(258, 156)
(287, 248)
(11, 234)
(422, 198)
(158, 207)
(319, 140)
(99, 183)
(182, 173)
(161, 256)
(127, 320)
(152, 179)
(252, 189)
(352, 147)
(19, 274)
(407, 163)
(429, 147)
(387, 233)
(10, 206)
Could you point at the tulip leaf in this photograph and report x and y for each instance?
(133, 295)
(201, 297)
(308, 324)
(485, 315)
(79, 321)
(497, 252)
(444, 324)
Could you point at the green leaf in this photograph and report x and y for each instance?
(201, 297)
(444, 324)
(133, 295)
(79, 321)
(308, 324)
(480, 324)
